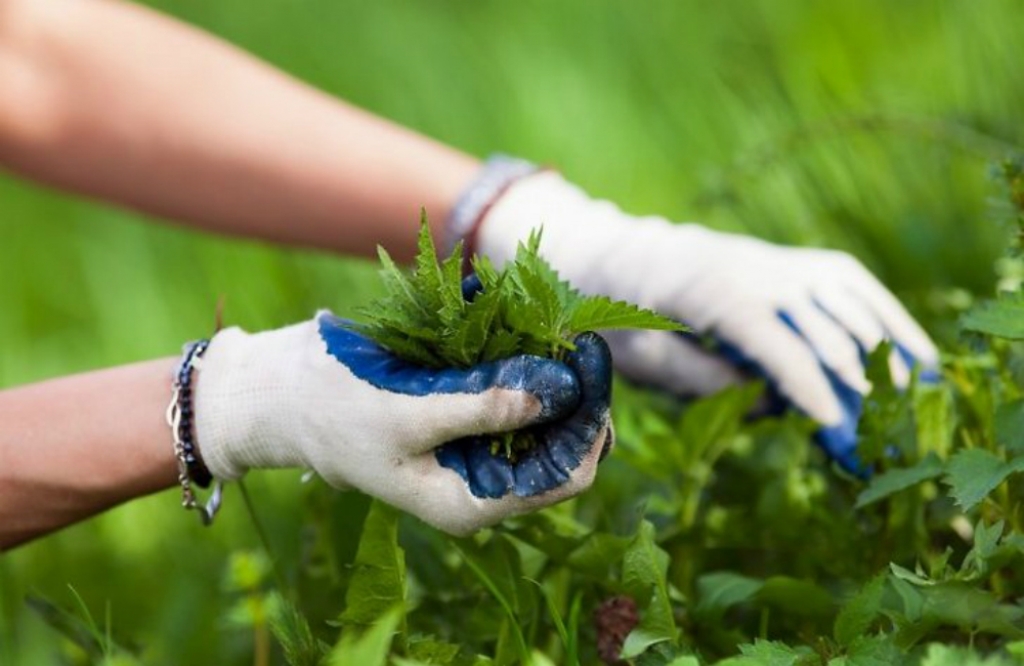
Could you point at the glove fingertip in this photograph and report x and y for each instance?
(927, 373)
(840, 444)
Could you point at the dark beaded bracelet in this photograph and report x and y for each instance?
(197, 471)
(181, 419)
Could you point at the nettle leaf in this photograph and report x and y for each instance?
(775, 653)
(893, 481)
(291, 629)
(1002, 317)
(523, 309)
(378, 578)
(970, 609)
(644, 576)
(974, 473)
(600, 313)
(873, 651)
(858, 614)
(986, 541)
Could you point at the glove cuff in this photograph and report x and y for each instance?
(245, 396)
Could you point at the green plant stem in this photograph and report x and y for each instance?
(250, 508)
(261, 639)
(513, 620)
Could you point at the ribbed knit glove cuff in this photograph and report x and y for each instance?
(245, 399)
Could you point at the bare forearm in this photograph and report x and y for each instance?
(72, 447)
(121, 103)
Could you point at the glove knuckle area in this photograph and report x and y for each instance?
(789, 363)
(447, 503)
(422, 423)
(552, 385)
(830, 342)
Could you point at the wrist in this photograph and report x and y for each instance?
(498, 174)
(590, 242)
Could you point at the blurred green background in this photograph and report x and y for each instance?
(868, 126)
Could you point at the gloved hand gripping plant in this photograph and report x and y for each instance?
(436, 319)
(415, 406)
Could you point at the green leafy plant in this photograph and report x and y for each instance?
(525, 308)
(522, 309)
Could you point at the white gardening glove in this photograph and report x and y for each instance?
(802, 318)
(318, 395)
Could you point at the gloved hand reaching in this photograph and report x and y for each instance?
(803, 318)
(320, 396)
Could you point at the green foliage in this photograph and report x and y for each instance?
(644, 577)
(372, 648)
(377, 584)
(974, 473)
(779, 120)
(894, 480)
(522, 309)
(1003, 317)
(292, 631)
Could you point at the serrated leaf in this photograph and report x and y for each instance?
(858, 614)
(893, 481)
(464, 343)
(291, 629)
(644, 576)
(502, 344)
(970, 609)
(598, 313)
(1002, 317)
(775, 653)
(986, 540)
(399, 285)
(974, 473)
(524, 309)
(378, 577)
(875, 651)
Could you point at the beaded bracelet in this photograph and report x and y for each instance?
(498, 174)
(180, 418)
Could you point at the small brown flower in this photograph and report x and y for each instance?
(614, 619)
